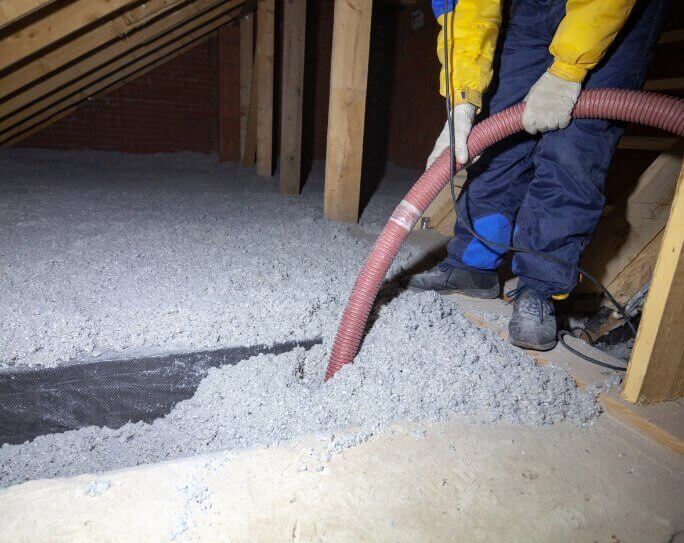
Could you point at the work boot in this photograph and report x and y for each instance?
(448, 279)
(533, 322)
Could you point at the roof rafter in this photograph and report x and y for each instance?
(12, 11)
(83, 44)
(124, 81)
(118, 74)
(54, 26)
(87, 64)
(136, 50)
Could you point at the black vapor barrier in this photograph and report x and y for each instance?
(109, 393)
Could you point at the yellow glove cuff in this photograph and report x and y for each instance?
(569, 72)
(463, 96)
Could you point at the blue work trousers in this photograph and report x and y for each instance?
(546, 192)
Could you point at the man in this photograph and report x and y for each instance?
(541, 190)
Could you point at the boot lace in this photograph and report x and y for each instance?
(534, 305)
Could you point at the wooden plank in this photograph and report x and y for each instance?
(54, 26)
(644, 143)
(20, 116)
(442, 208)
(38, 127)
(103, 77)
(249, 156)
(148, 10)
(636, 274)
(229, 92)
(446, 227)
(265, 54)
(12, 11)
(634, 221)
(118, 84)
(347, 109)
(294, 32)
(246, 69)
(641, 425)
(656, 367)
(670, 83)
(155, 58)
(114, 29)
(56, 80)
(672, 36)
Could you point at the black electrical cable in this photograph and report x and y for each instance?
(561, 340)
(471, 230)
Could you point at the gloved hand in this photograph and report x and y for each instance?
(548, 105)
(463, 114)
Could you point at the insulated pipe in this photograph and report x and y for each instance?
(645, 108)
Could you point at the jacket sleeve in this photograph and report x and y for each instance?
(584, 35)
(473, 28)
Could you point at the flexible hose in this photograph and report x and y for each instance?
(659, 111)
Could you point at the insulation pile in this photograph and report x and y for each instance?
(217, 258)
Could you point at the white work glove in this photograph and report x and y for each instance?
(463, 114)
(549, 104)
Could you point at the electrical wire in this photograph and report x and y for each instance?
(486, 242)
(561, 340)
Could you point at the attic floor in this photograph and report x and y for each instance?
(419, 482)
(448, 480)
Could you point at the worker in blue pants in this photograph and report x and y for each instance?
(541, 190)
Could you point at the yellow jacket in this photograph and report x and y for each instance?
(581, 40)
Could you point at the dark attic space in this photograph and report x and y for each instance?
(341, 270)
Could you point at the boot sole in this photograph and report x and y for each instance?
(472, 293)
(533, 347)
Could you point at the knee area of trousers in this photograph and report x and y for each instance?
(496, 228)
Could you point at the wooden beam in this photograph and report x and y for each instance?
(105, 61)
(644, 143)
(37, 128)
(347, 109)
(265, 54)
(636, 274)
(12, 11)
(120, 83)
(114, 29)
(634, 221)
(148, 10)
(671, 36)
(155, 58)
(670, 83)
(641, 425)
(441, 211)
(249, 156)
(446, 225)
(229, 92)
(294, 33)
(54, 26)
(246, 69)
(656, 368)
(185, 33)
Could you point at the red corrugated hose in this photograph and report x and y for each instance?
(659, 111)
